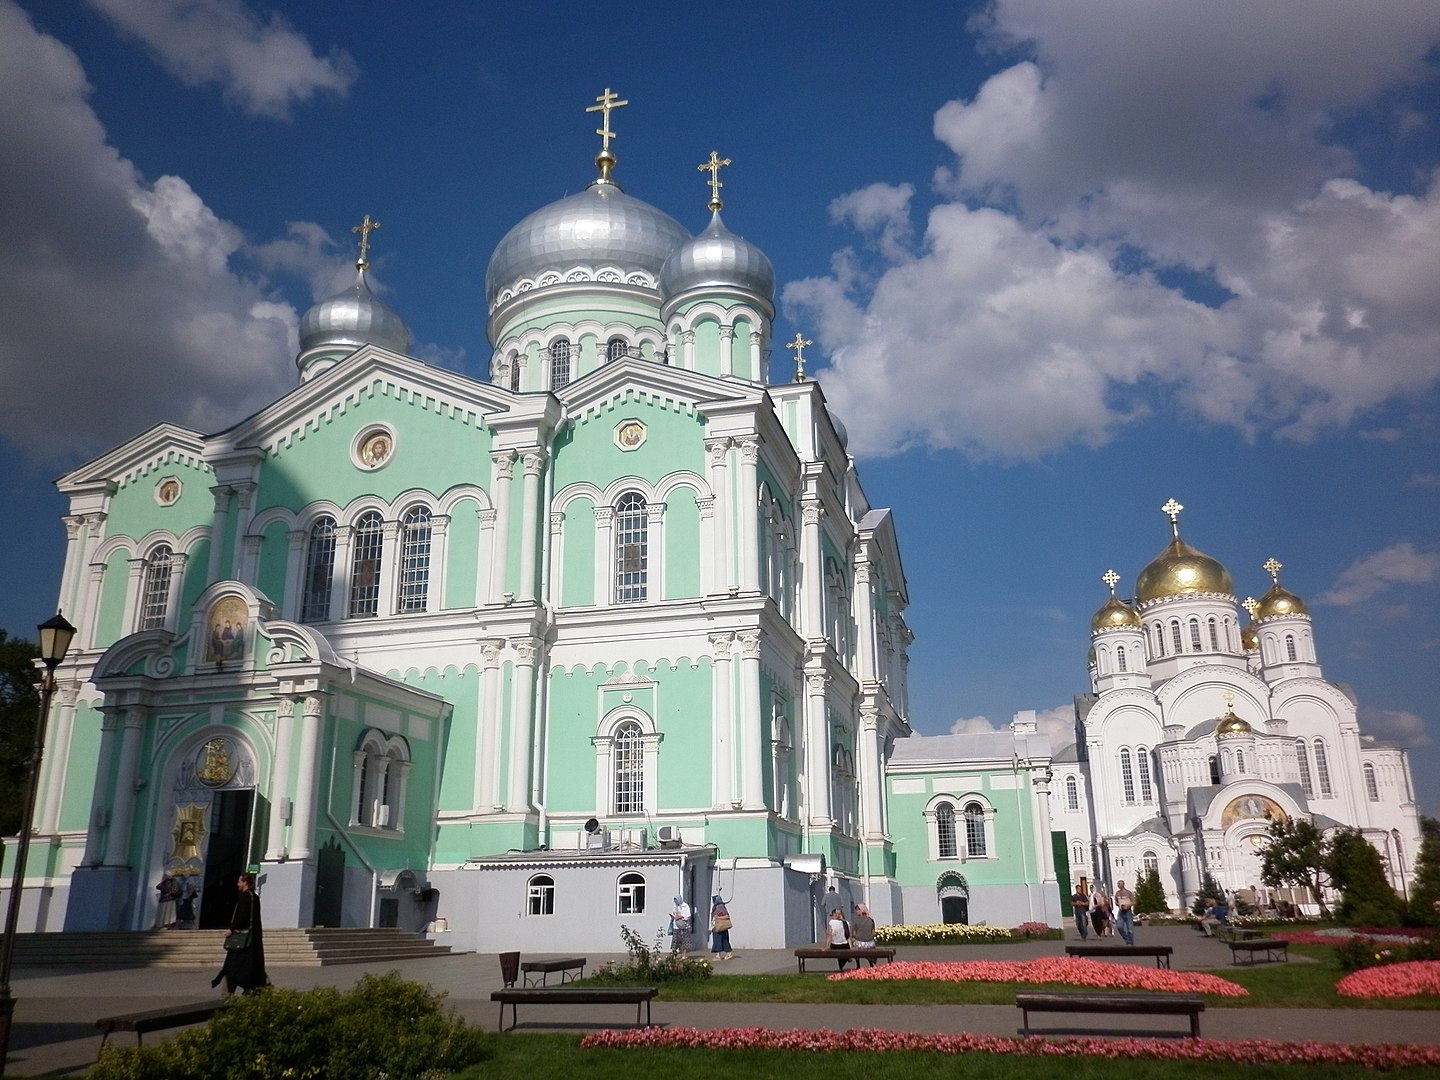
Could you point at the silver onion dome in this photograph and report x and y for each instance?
(717, 257)
(354, 318)
(598, 227)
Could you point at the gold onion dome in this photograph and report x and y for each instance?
(1249, 639)
(1230, 724)
(1277, 601)
(1181, 570)
(1114, 614)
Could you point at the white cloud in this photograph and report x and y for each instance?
(1058, 723)
(1398, 564)
(1395, 725)
(118, 304)
(1138, 148)
(261, 62)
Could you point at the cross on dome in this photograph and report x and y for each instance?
(364, 229)
(1250, 604)
(713, 167)
(1273, 566)
(1173, 508)
(607, 103)
(799, 346)
(1110, 577)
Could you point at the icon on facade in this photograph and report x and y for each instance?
(167, 492)
(630, 435)
(225, 631)
(375, 449)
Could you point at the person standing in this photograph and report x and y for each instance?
(862, 931)
(169, 890)
(1124, 913)
(1080, 901)
(679, 924)
(1100, 910)
(720, 924)
(185, 904)
(244, 966)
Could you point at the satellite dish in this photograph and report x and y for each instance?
(592, 826)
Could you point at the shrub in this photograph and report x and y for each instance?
(1358, 952)
(384, 1027)
(940, 934)
(656, 963)
(1035, 930)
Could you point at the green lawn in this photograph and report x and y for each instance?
(525, 1056)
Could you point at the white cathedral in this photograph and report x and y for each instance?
(520, 658)
(1199, 731)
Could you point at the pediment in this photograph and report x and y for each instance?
(161, 445)
(644, 380)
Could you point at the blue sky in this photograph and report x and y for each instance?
(1061, 262)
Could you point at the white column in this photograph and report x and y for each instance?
(439, 562)
(872, 778)
(655, 545)
(86, 586)
(530, 523)
(485, 566)
(722, 782)
(280, 781)
(122, 811)
(727, 350)
(749, 516)
(340, 575)
(709, 556)
(817, 752)
(687, 350)
(487, 731)
(111, 722)
(295, 552)
(134, 588)
(812, 577)
(307, 779)
(52, 782)
(504, 468)
(604, 554)
(73, 560)
(89, 629)
(389, 568)
(752, 724)
(555, 572)
(723, 575)
(522, 720)
(756, 358)
(178, 559)
(219, 529)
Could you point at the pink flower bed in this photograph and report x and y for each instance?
(1392, 980)
(1387, 937)
(1239, 1052)
(1070, 971)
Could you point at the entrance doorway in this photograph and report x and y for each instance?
(954, 894)
(227, 854)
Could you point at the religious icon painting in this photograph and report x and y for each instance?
(225, 631)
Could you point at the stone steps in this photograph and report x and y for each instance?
(203, 949)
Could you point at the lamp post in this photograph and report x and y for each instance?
(55, 637)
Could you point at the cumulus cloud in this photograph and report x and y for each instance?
(1394, 725)
(261, 63)
(1147, 213)
(1398, 564)
(119, 306)
(1058, 723)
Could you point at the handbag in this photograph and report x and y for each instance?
(238, 940)
(722, 922)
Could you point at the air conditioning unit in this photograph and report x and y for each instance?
(598, 840)
(668, 836)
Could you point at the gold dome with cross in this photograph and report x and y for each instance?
(1180, 570)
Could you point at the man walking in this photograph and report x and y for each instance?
(1124, 913)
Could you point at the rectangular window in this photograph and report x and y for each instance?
(365, 568)
(415, 563)
(631, 550)
(1142, 757)
(945, 831)
(1302, 757)
(157, 591)
(319, 568)
(1322, 769)
(1127, 776)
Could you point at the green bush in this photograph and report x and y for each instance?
(648, 964)
(1363, 952)
(384, 1028)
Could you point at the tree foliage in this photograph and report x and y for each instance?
(19, 704)
(1425, 893)
(1368, 898)
(1150, 894)
(1209, 887)
(1297, 855)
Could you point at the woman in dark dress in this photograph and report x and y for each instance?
(244, 966)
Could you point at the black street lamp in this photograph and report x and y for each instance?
(55, 637)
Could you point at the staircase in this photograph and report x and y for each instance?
(203, 949)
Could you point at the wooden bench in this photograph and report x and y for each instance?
(1227, 932)
(1161, 953)
(817, 953)
(571, 964)
(1191, 1005)
(1269, 946)
(639, 996)
(160, 1019)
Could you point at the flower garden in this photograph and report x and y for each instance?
(1065, 970)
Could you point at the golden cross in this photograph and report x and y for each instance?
(713, 167)
(1229, 701)
(1251, 605)
(365, 228)
(608, 101)
(799, 346)
(1173, 508)
(1109, 577)
(1273, 566)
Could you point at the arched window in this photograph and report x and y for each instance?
(540, 895)
(380, 766)
(1120, 658)
(1214, 635)
(975, 830)
(1159, 639)
(1302, 758)
(319, 569)
(1214, 769)
(414, 560)
(632, 549)
(1077, 854)
(1290, 647)
(1127, 775)
(1176, 638)
(616, 348)
(629, 764)
(1240, 761)
(1372, 789)
(1322, 768)
(155, 600)
(1142, 758)
(945, 831)
(368, 545)
(1195, 635)
(515, 372)
(1072, 794)
(1151, 862)
(630, 899)
(559, 363)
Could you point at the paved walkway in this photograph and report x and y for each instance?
(54, 1032)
